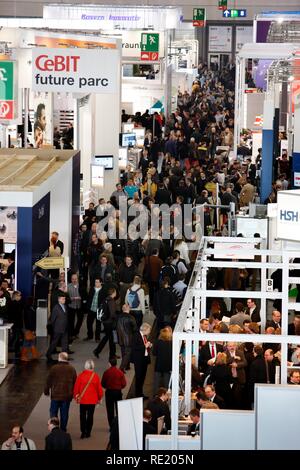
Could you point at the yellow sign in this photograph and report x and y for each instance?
(51, 263)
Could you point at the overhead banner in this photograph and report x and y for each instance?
(75, 70)
(110, 17)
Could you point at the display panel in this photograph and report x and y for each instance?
(128, 140)
(107, 161)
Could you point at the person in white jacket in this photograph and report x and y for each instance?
(135, 298)
(17, 441)
(182, 247)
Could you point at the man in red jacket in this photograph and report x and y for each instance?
(113, 380)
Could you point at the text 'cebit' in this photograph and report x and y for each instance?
(289, 216)
(59, 63)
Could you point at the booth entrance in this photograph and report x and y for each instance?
(218, 61)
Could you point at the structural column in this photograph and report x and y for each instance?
(296, 147)
(267, 150)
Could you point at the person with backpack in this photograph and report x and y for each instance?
(170, 271)
(179, 263)
(107, 315)
(135, 298)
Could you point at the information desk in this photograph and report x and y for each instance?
(4, 344)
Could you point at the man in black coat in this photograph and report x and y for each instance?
(159, 407)
(126, 329)
(140, 356)
(56, 242)
(57, 439)
(163, 195)
(58, 323)
(276, 320)
(294, 328)
(165, 306)
(253, 310)
(147, 427)
(262, 369)
(211, 395)
(208, 354)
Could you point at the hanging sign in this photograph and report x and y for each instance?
(199, 17)
(75, 70)
(150, 46)
(7, 86)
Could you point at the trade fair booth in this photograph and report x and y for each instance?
(251, 429)
(142, 78)
(42, 185)
(269, 108)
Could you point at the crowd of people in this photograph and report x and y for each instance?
(120, 278)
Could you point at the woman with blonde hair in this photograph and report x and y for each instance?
(162, 350)
(221, 377)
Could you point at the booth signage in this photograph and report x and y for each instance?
(54, 262)
(7, 103)
(77, 71)
(288, 215)
(233, 250)
(150, 46)
(297, 179)
(199, 17)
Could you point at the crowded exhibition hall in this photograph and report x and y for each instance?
(149, 222)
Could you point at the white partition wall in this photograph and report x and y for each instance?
(277, 416)
(227, 430)
(130, 417)
(162, 442)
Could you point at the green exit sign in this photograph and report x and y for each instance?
(234, 13)
(6, 80)
(222, 4)
(7, 88)
(199, 16)
(150, 42)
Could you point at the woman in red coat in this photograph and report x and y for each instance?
(87, 392)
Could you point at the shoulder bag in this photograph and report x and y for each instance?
(78, 397)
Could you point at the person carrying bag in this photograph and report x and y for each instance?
(87, 393)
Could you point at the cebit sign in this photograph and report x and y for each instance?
(59, 63)
(92, 71)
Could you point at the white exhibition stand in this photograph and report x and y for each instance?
(239, 425)
(164, 442)
(4, 344)
(277, 417)
(130, 417)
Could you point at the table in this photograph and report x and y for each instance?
(4, 344)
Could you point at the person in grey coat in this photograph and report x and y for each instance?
(58, 323)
